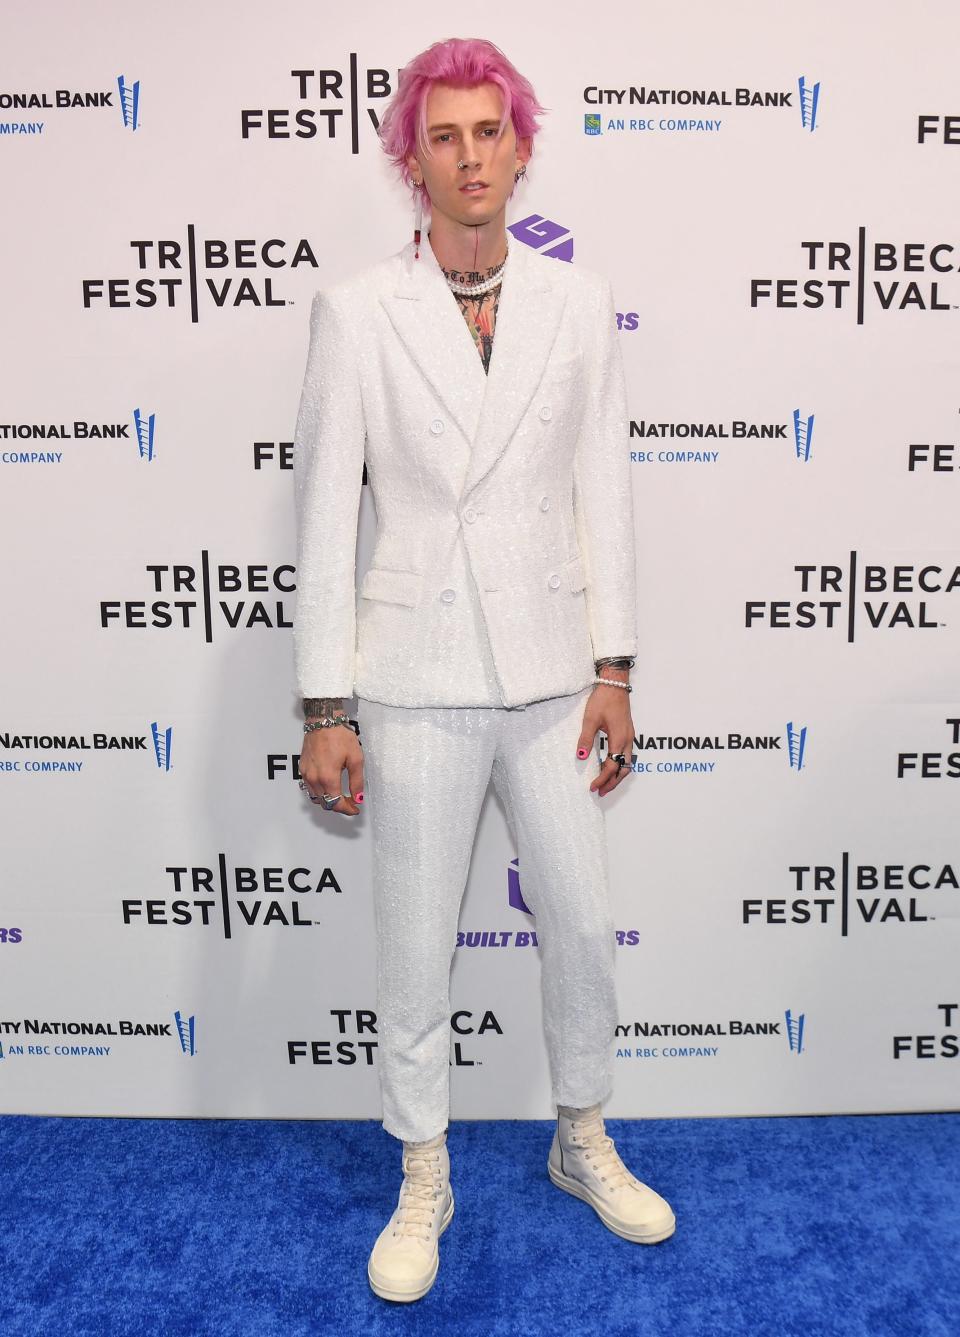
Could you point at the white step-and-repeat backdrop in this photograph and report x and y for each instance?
(774, 194)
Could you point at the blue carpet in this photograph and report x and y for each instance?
(793, 1227)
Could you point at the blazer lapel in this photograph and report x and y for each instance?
(528, 318)
(487, 407)
(425, 315)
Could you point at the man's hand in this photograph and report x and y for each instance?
(608, 708)
(325, 754)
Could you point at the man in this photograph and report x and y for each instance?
(483, 385)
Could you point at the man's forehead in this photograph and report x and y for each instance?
(463, 105)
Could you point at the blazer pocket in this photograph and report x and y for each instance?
(395, 587)
(576, 574)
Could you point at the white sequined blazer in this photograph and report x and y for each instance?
(504, 500)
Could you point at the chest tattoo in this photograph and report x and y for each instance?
(480, 313)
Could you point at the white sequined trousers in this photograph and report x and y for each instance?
(426, 771)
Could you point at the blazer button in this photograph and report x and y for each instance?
(544, 503)
(554, 581)
(545, 413)
(448, 596)
(436, 426)
(469, 515)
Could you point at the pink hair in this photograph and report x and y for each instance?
(462, 63)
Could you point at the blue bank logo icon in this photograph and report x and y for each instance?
(144, 427)
(794, 1022)
(186, 1032)
(162, 738)
(591, 123)
(809, 98)
(802, 434)
(129, 102)
(796, 745)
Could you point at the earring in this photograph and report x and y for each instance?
(521, 171)
(417, 218)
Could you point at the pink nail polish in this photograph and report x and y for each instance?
(581, 752)
(358, 797)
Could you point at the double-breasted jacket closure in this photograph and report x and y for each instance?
(505, 523)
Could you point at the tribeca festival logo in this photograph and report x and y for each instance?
(942, 1042)
(886, 277)
(731, 1028)
(278, 455)
(226, 896)
(513, 937)
(326, 103)
(65, 99)
(807, 101)
(190, 598)
(938, 129)
(859, 596)
(355, 1029)
(848, 896)
(13, 744)
(214, 271)
(798, 431)
(936, 457)
(933, 765)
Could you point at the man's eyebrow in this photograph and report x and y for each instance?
(449, 125)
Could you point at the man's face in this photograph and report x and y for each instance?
(462, 127)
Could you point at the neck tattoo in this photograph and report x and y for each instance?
(473, 275)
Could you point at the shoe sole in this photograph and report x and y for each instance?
(389, 1293)
(577, 1190)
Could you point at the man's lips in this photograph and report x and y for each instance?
(473, 188)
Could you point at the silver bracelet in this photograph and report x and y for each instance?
(327, 722)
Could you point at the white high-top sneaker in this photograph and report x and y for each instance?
(584, 1161)
(404, 1260)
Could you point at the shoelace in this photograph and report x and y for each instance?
(603, 1155)
(418, 1197)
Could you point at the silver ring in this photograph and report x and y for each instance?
(328, 800)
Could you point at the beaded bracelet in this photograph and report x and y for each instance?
(612, 682)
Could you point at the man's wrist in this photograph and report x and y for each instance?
(624, 662)
(322, 707)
